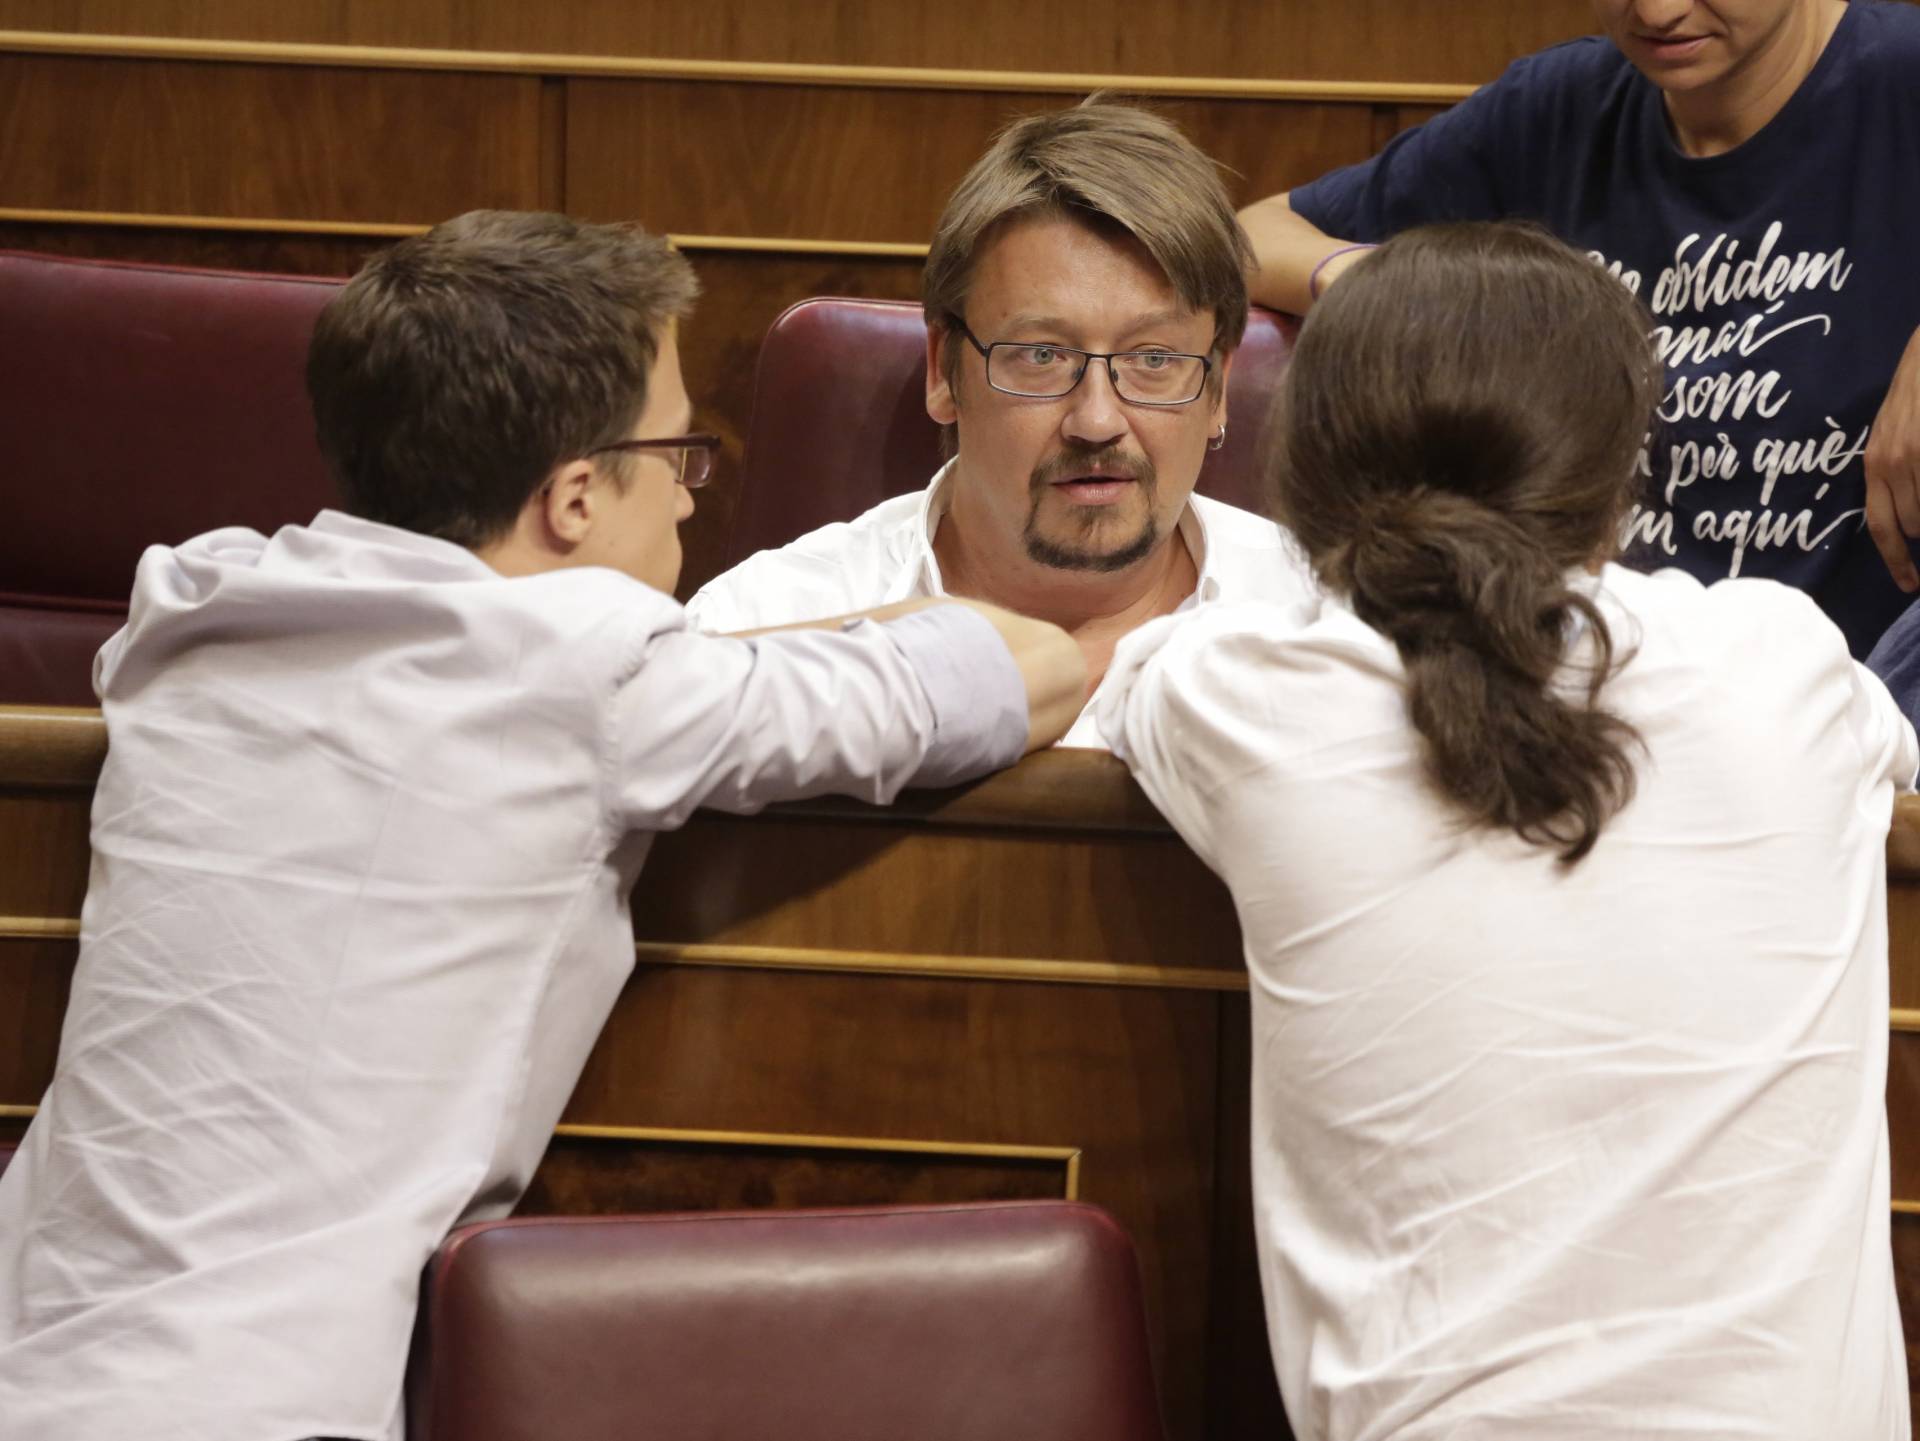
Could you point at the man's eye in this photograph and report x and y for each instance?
(1153, 359)
(1037, 356)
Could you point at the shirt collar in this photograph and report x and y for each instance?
(405, 549)
(924, 573)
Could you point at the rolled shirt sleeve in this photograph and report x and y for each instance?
(931, 698)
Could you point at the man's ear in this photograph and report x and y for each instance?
(1220, 404)
(569, 504)
(940, 400)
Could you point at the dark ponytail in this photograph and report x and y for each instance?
(1462, 417)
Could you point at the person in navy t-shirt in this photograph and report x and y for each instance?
(1751, 170)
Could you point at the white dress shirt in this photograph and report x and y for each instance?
(1552, 1153)
(887, 555)
(362, 849)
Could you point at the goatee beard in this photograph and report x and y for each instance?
(1059, 555)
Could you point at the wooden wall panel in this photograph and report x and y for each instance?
(1906, 1285)
(775, 881)
(284, 254)
(831, 163)
(611, 1175)
(181, 138)
(35, 978)
(1903, 1113)
(1304, 39)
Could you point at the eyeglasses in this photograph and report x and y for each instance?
(1046, 372)
(696, 454)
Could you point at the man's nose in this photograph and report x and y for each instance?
(1095, 413)
(1657, 15)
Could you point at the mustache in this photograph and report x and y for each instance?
(1108, 459)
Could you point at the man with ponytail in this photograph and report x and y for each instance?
(1563, 889)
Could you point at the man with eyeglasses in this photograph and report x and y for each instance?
(377, 792)
(1084, 292)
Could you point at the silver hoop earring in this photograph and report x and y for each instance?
(1219, 437)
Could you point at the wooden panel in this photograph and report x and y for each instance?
(1903, 939)
(1240, 1375)
(1304, 39)
(1906, 1285)
(221, 249)
(260, 141)
(603, 1176)
(35, 977)
(1903, 1110)
(43, 854)
(1005, 893)
(1390, 120)
(840, 163)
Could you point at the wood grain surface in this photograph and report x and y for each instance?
(1304, 39)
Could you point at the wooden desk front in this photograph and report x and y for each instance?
(1030, 988)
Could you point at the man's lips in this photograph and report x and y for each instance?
(1093, 489)
(1671, 47)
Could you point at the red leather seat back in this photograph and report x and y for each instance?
(139, 404)
(940, 1323)
(840, 421)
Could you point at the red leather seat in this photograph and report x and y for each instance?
(939, 1323)
(840, 422)
(138, 404)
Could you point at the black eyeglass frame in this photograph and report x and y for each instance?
(1087, 357)
(703, 444)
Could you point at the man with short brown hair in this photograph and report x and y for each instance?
(377, 792)
(1085, 291)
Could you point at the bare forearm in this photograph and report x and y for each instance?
(1287, 248)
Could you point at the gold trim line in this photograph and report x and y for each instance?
(147, 220)
(1067, 1156)
(382, 230)
(1904, 1019)
(38, 928)
(796, 958)
(965, 968)
(752, 72)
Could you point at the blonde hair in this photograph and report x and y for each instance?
(1104, 164)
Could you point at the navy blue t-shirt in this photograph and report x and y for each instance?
(1783, 277)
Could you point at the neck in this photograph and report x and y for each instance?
(1095, 608)
(1721, 117)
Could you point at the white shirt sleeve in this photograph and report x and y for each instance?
(1143, 715)
(1886, 736)
(931, 698)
